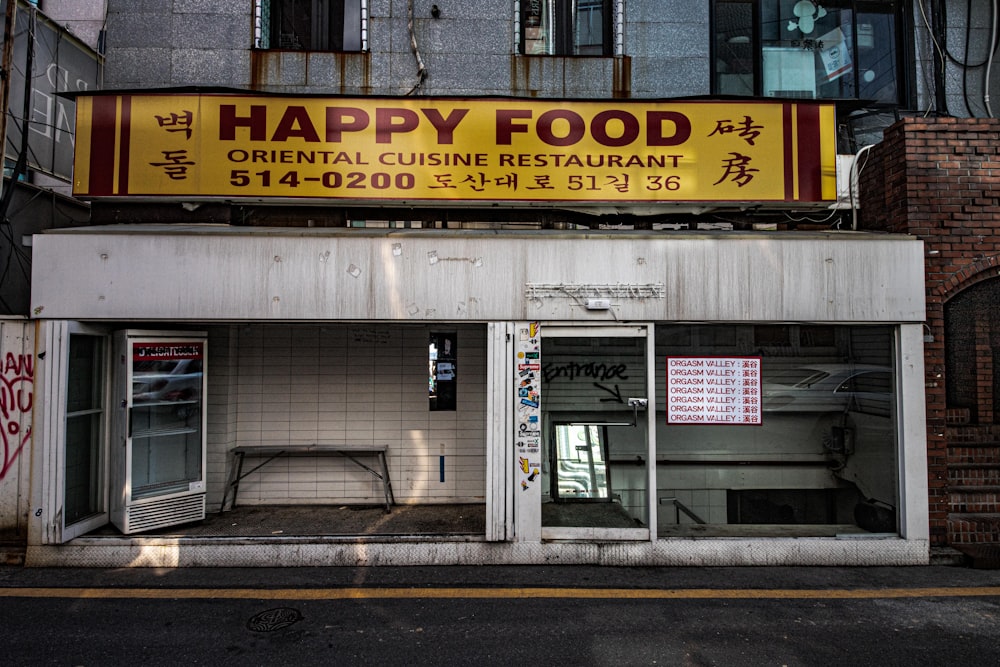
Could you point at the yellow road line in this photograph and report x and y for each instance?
(496, 593)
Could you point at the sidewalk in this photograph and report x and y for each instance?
(457, 577)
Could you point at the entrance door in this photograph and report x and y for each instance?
(595, 398)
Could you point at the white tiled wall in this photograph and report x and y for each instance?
(221, 414)
(345, 384)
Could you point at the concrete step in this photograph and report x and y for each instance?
(948, 556)
(12, 554)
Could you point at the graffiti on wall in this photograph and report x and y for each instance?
(590, 370)
(17, 378)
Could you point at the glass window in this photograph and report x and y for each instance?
(567, 27)
(84, 428)
(821, 462)
(811, 50)
(442, 361)
(311, 25)
(735, 37)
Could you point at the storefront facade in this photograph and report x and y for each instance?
(302, 349)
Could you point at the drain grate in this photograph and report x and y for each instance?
(274, 619)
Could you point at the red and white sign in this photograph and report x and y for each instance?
(167, 351)
(713, 390)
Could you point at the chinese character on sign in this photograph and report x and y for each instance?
(175, 164)
(736, 169)
(177, 122)
(746, 129)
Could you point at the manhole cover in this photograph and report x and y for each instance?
(274, 619)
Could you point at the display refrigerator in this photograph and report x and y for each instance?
(158, 445)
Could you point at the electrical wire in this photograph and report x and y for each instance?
(940, 51)
(856, 167)
(989, 66)
(968, 27)
(965, 62)
(930, 32)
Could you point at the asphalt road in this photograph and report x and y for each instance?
(502, 615)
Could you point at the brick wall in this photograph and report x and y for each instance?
(939, 179)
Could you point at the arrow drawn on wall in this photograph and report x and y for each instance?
(616, 394)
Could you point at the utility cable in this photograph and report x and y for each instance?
(965, 62)
(932, 85)
(968, 27)
(989, 60)
(421, 69)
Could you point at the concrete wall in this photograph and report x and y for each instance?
(83, 18)
(17, 379)
(469, 50)
(238, 274)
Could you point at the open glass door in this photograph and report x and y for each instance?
(85, 459)
(595, 416)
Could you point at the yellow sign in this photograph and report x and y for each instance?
(452, 149)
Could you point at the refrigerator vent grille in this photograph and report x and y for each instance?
(169, 512)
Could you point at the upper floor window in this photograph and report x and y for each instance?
(802, 49)
(567, 27)
(311, 25)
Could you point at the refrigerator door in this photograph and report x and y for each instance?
(160, 468)
(165, 418)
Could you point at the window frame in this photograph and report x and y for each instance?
(262, 30)
(561, 45)
(893, 8)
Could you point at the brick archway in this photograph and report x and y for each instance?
(972, 352)
(972, 392)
